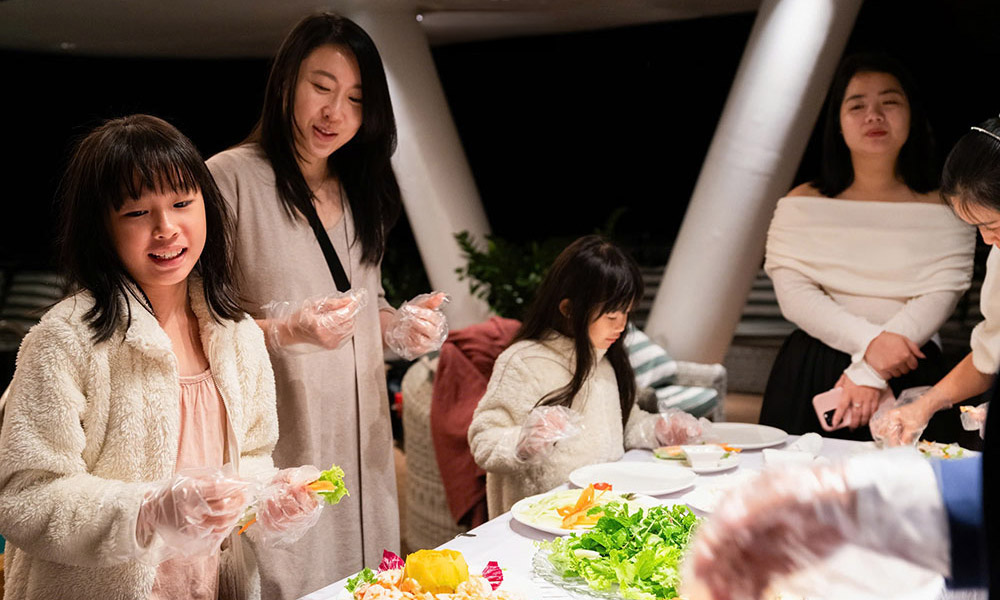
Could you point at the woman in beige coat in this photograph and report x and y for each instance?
(315, 172)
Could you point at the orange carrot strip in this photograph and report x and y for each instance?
(249, 523)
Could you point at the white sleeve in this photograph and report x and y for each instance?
(985, 340)
(899, 508)
(804, 303)
(922, 316)
(640, 429)
(496, 423)
(50, 505)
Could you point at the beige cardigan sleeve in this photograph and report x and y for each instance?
(50, 505)
(640, 429)
(510, 395)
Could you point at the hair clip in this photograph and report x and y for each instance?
(987, 132)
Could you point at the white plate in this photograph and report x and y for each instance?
(723, 464)
(748, 436)
(550, 522)
(512, 584)
(650, 478)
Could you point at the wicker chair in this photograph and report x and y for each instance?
(428, 519)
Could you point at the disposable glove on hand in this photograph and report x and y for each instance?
(974, 418)
(903, 422)
(418, 327)
(286, 507)
(545, 426)
(318, 323)
(788, 520)
(676, 427)
(190, 514)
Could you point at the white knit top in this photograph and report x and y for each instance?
(844, 270)
(522, 375)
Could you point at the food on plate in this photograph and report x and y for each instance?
(677, 452)
(578, 514)
(939, 450)
(572, 509)
(329, 487)
(428, 575)
(638, 553)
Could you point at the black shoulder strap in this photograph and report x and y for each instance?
(332, 260)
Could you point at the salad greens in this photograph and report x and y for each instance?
(366, 575)
(639, 552)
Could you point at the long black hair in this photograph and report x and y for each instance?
(972, 170)
(596, 277)
(117, 162)
(916, 162)
(363, 163)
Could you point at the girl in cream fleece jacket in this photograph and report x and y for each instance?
(567, 364)
(97, 422)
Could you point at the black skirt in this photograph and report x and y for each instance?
(806, 366)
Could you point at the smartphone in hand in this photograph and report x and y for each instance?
(826, 404)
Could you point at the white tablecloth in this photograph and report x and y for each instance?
(511, 544)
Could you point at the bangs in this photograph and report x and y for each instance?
(159, 176)
(621, 288)
(148, 159)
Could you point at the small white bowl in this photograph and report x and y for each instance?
(703, 456)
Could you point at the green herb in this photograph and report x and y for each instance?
(639, 552)
(365, 576)
(335, 475)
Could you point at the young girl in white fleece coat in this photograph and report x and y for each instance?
(563, 394)
(148, 369)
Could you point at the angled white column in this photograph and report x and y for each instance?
(439, 193)
(778, 91)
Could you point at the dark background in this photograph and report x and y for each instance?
(560, 130)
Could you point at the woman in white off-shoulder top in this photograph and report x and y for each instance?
(866, 260)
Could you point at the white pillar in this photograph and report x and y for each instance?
(778, 91)
(439, 193)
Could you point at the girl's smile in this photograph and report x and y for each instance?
(160, 236)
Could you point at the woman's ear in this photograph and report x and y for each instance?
(564, 307)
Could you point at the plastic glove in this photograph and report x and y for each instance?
(974, 417)
(676, 427)
(190, 514)
(286, 507)
(902, 422)
(317, 323)
(545, 426)
(790, 521)
(418, 327)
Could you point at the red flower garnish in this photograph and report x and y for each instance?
(390, 560)
(493, 574)
(602, 486)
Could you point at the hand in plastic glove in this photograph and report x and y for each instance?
(892, 354)
(317, 323)
(861, 399)
(676, 427)
(974, 418)
(788, 520)
(418, 327)
(545, 426)
(192, 513)
(903, 424)
(287, 508)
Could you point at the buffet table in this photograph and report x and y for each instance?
(511, 543)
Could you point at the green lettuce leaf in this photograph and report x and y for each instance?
(334, 475)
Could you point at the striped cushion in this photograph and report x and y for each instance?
(652, 365)
(655, 369)
(698, 401)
